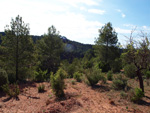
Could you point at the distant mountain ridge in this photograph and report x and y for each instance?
(72, 49)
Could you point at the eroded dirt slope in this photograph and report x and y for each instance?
(80, 98)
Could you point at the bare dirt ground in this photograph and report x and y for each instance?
(80, 98)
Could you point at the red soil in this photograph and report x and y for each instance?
(79, 98)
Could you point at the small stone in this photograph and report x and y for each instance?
(1, 104)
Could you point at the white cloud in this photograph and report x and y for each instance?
(83, 9)
(86, 2)
(123, 15)
(145, 27)
(122, 35)
(129, 25)
(74, 30)
(96, 11)
(118, 10)
(138, 28)
(122, 31)
(41, 15)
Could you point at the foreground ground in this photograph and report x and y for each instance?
(80, 98)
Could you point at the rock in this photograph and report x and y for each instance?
(1, 104)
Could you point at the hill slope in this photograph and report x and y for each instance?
(72, 49)
(79, 98)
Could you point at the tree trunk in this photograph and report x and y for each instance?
(140, 79)
(17, 60)
(107, 51)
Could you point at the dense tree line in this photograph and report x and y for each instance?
(23, 56)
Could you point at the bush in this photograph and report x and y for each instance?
(3, 78)
(116, 65)
(130, 70)
(73, 82)
(41, 88)
(41, 75)
(138, 94)
(109, 75)
(77, 76)
(104, 66)
(103, 78)
(85, 80)
(57, 83)
(123, 94)
(88, 64)
(93, 76)
(119, 83)
(71, 70)
(147, 74)
(12, 90)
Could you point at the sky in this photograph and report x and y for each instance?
(79, 20)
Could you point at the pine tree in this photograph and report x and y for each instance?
(106, 44)
(49, 49)
(18, 48)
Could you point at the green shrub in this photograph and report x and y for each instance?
(3, 78)
(41, 88)
(71, 70)
(57, 83)
(77, 76)
(104, 66)
(12, 90)
(130, 70)
(63, 73)
(147, 74)
(119, 83)
(93, 76)
(41, 75)
(109, 75)
(123, 94)
(138, 94)
(88, 64)
(73, 82)
(103, 78)
(85, 80)
(116, 65)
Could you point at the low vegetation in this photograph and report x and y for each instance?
(11, 90)
(41, 75)
(57, 83)
(137, 95)
(26, 61)
(110, 75)
(3, 78)
(41, 88)
(130, 70)
(77, 76)
(93, 76)
(119, 82)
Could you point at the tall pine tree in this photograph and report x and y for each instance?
(19, 48)
(49, 49)
(106, 45)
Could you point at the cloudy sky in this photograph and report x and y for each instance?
(78, 20)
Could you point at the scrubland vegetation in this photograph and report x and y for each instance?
(120, 75)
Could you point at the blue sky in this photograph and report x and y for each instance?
(78, 20)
